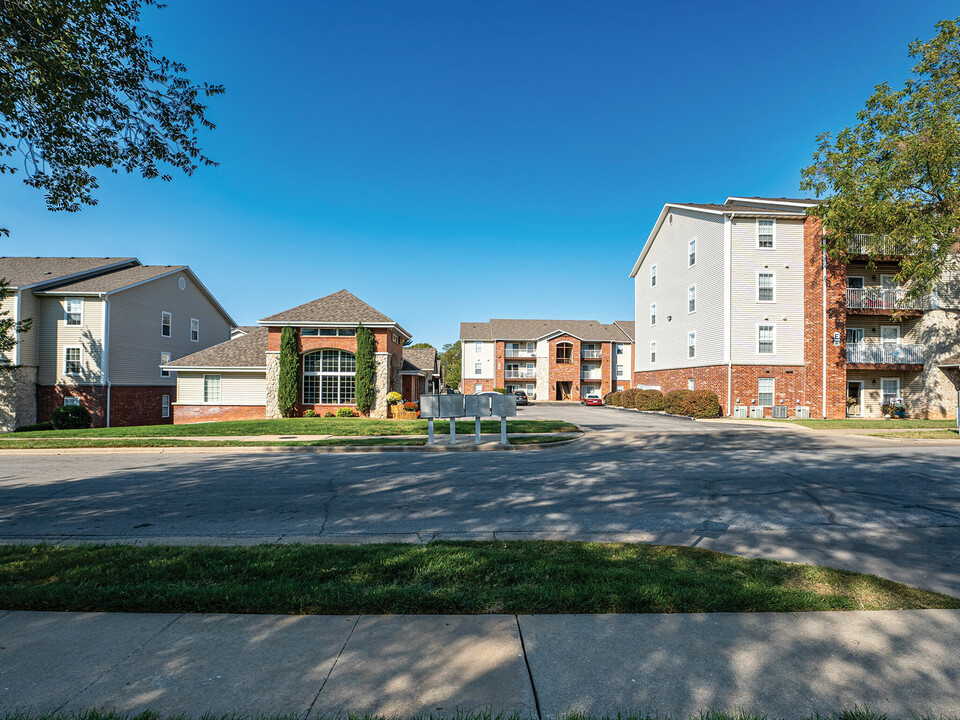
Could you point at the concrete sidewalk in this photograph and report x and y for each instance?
(781, 665)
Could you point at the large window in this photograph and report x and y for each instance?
(564, 353)
(766, 339)
(766, 287)
(765, 234)
(765, 387)
(329, 378)
(211, 388)
(71, 360)
(73, 311)
(692, 299)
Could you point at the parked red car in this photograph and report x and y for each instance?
(591, 400)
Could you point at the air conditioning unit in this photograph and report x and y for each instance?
(780, 412)
(803, 412)
(740, 412)
(756, 411)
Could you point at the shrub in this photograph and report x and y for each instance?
(614, 399)
(650, 400)
(328, 414)
(676, 402)
(35, 427)
(394, 398)
(411, 406)
(502, 391)
(288, 384)
(346, 412)
(71, 417)
(309, 413)
(365, 370)
(629, 397)
(705, 404)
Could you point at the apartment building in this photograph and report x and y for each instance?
(740, 298)
(101, 328)
(548, 359)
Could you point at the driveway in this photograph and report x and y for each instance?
(860, 503)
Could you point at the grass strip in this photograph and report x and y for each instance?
(16, 443)
(866, 423)
(537, 439)
(309, 426)
(918, 434)
(440, 577)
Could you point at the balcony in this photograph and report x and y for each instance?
(882, 245)
(591, 374)
(519, 352)
(876, 300)
(884, 353)
(520, 374)
(590, 354)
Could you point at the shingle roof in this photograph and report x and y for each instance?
(24, 271)
(340, 307)
(248, 350)
(501, 329)
(806, 201)
(628, 326)
(117, 280)
(420, 358)
(950, 362)
(741, 208)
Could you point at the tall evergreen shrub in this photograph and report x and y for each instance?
(288, 389)
(365, 372)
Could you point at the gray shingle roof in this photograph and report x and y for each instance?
(117, 280)
(248, 350)
(24, 271)
(420, 358)
(742, 208)
(629, 327)
(806, 201)
(501, 329)
(340, 307)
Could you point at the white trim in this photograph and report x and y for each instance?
(164, 369)
(653, 275)
(692, 240)
(756, 346)
(767, 201)
(728, 305)
(694, 288)
(66, 313)
(859, 396)
(63, 360)
(652, 357)
(203, 389)
(166, 314)
(694, 334)
(165, 406)
(218, 368)
(773, 393)
(895, 327)
(653, 314)
(192, 321)
(894, 379)
(757, 296)
(773, 234)
(68, 398)
(323, 323)
(862, 278)
(16, 333)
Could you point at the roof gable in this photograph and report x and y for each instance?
(521, 329)
(243, 351)
(338, 307)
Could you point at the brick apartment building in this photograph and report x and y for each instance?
(548, 359)
(740, 298)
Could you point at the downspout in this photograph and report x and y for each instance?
(16, 319)
(823, 254)
(105, 352)
(727, 310)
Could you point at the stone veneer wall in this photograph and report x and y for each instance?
(273, 386)
(382, 375)
(18, 397)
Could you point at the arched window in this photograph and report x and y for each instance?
(564, 353)
(329, 378)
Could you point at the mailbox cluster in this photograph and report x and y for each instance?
(452, 406)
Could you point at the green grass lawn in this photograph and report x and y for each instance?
(918, 435)
(538, 439)
(308, 426)
(440, 577)
(868, 423)
(67, 443)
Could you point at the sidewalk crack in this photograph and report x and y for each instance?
(526, 661)
(332, 667)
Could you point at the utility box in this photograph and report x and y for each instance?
(429, 406)
(740, 412)
(756, 412)
(451, 406)
(503, 405)
(803, 412)
(475, 406)
(780, 412)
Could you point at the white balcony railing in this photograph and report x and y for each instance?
(875, 298)
(877, 245)
(885, 353)
(519, 352)
(592, 354)
(520, 374)
(591, 376)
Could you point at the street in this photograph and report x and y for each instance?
(859, 503)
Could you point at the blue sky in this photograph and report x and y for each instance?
(450, 161)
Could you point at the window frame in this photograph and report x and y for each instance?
(168, 316)
(478, 368)
(66, 311)
(653, 314)
(219, 399)
(477, 347)
(653, 275)
(619, 370)
(320, 374)
(653, 352)
(692, 253)
(164, 406)
(692, 336)
(773, 234)
(692, 297)
(773, 286)
(477, 388)
(566, 345)
(899, 388)
(192, 321)
(71, 400)
(772, 393)
(79, 349)
(690, 384)
(773, 338)
(165, 373)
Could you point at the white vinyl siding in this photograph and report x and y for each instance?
(53, 335)
(236, 388)
(477, 353)
(784, 265)
(29, 345)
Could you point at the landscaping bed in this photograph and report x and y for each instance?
(439, 577)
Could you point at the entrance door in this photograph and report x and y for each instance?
(564, 390)
(854, 398)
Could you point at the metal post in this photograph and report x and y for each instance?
(478, 430)
(430, 431)
(503, 430)
(453, 431)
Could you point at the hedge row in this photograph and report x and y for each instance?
(691, 403)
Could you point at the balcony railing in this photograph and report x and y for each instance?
(591, 376)
(875, 298)
(519, 352)
(877, 245)
(590, 354)
(520, 374)
(880, 353)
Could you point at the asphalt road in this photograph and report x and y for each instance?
(861, 503)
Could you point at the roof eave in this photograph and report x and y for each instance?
(220, 368)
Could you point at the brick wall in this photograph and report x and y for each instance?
(466, 385)
(183, 414)
(564, 372)
(129, 404)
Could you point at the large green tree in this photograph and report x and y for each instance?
(451, 361)
(365, 370)
(894, 176)
(288, 384)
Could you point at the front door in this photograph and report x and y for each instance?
(854, 398)
(564, 390)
